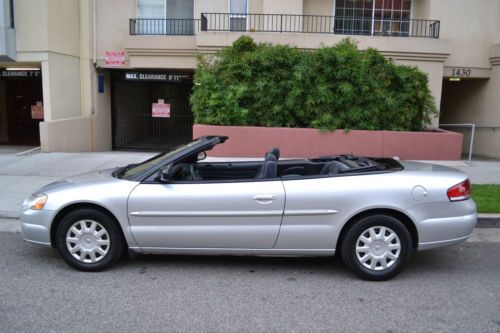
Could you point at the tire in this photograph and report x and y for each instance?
(367, 261)
(89, 240)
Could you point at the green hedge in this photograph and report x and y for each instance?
(251, 84)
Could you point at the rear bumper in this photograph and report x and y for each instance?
(454, 227)
(35, 226)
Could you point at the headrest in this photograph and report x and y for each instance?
(276, 152)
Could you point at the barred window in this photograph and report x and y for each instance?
(372, 17)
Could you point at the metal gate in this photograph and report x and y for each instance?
(135, 127)
(18, 94)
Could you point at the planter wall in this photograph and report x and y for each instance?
(307, 142)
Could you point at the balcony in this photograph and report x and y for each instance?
(286, 23)
(178, 27)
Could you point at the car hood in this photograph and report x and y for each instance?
(88, 178)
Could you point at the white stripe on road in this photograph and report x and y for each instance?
(479, 235)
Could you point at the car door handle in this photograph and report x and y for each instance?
(264, 198)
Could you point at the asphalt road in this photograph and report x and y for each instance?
(455, 289)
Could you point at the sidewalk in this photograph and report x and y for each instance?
(21, 175)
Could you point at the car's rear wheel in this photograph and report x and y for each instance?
(89, 240)
(377, 247)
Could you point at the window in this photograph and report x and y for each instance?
(238, 15)
(11, 13)
(7, 14)
(353, 17)
(151, 9)
(165, 17)
(392, 17)
(372, 17)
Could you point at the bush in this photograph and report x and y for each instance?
(332, 87)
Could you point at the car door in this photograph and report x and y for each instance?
(239, 214)
(313, 212)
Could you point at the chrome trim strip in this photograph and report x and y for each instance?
(305, 212)
(237, 251)
(44, 244)
(208, 213)
(441, 243)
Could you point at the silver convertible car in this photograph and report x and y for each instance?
(373, 212)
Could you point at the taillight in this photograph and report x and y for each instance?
(460, 191)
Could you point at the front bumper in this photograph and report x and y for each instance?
(35, 226)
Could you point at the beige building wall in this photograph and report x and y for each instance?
(318, 7)
(472, 27)
(283, 7)
(48, 33)
(59, 36)
(477, 101)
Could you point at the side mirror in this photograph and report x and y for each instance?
(201, 156)
(163, 175)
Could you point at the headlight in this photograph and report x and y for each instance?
(35, 201)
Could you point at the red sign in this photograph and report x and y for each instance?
(161, 110)
(115, 58)
(37, 111)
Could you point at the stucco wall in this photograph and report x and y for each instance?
(283, 7)
(318, 7)
(31, 19)
(71, 134)
(62, 93)
(101, 121)
(476, 101)
(472, 26)
(112, 25)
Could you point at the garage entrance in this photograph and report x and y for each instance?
(150, 110)
(21, 107)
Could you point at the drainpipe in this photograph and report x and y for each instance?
(94, 32)
(94, 76)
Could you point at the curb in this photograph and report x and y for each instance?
(488, 221)
(9, 215)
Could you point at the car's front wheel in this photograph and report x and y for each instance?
(89, 240)
(377, 247)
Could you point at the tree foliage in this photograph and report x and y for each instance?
(251, 84)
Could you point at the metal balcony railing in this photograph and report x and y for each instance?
(370, 26)
(146, 26)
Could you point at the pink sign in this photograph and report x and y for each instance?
(161, 110)
(37, 111)
(115, 58)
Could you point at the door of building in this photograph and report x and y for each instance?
(151, 110)
(21, 107)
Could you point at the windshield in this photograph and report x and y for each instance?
(135, 169)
